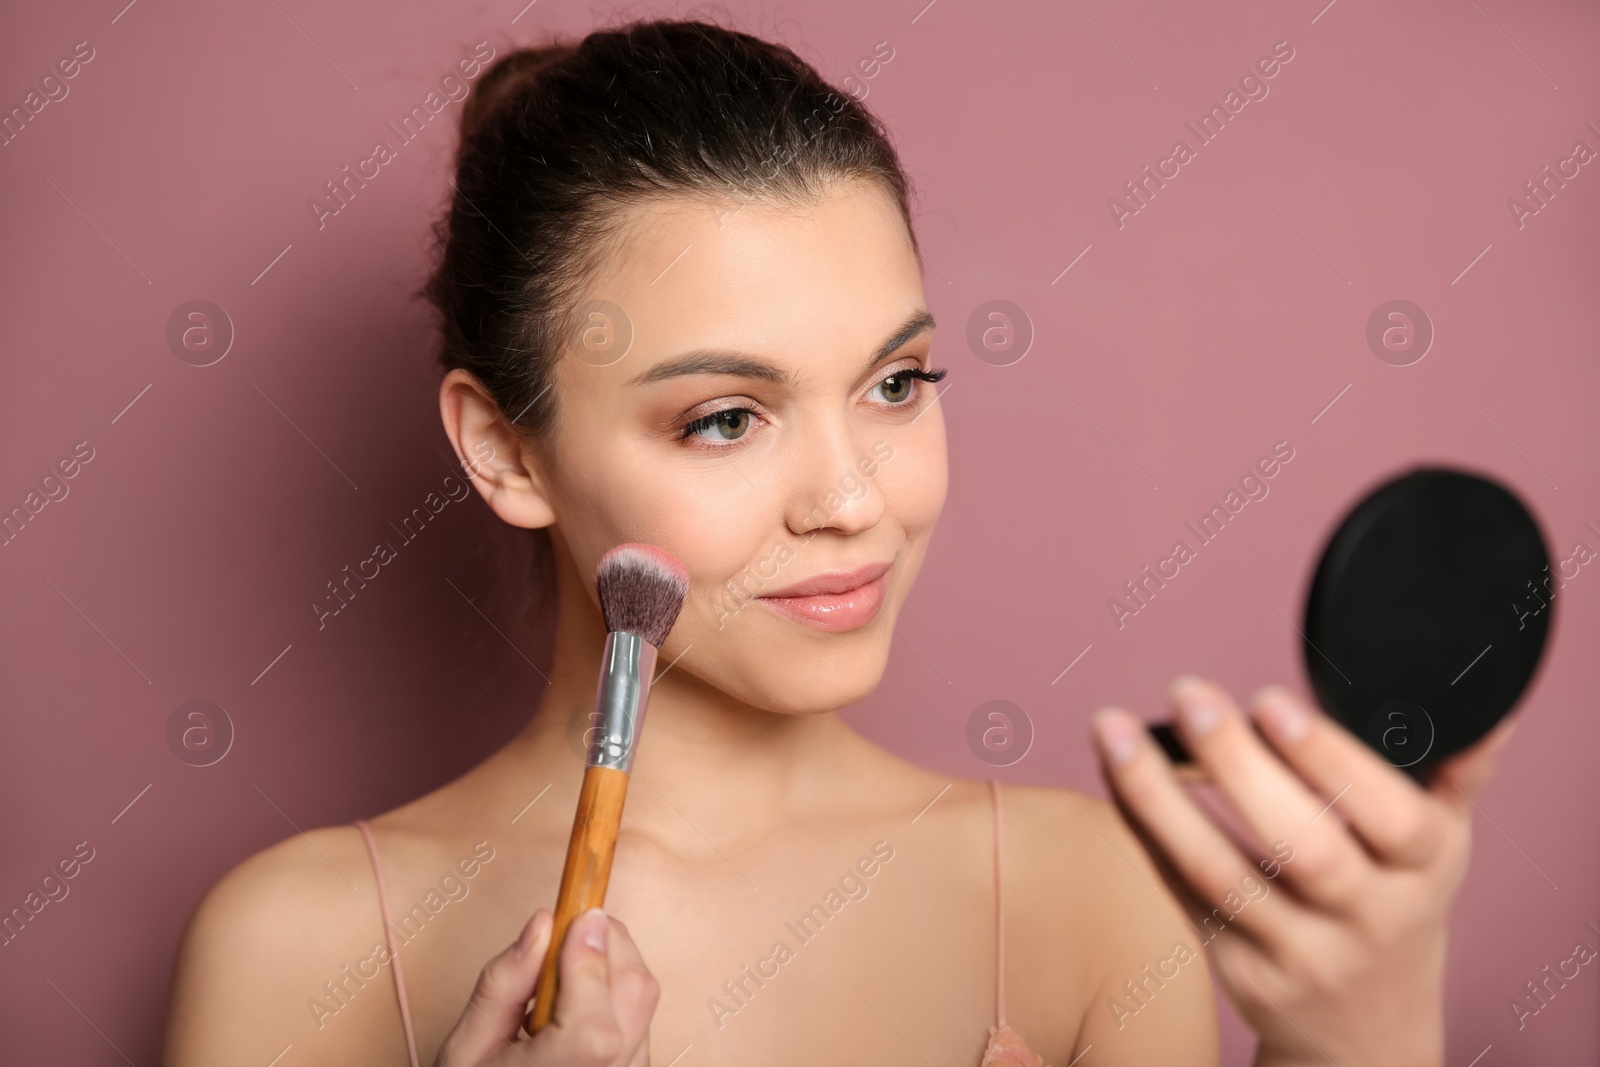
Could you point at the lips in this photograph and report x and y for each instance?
(835, 601)
(832, 582)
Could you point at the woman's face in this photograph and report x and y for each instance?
(763, 427)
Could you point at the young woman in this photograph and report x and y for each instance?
(682, 303)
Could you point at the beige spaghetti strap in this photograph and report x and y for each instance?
(388, 936)
(999, 909)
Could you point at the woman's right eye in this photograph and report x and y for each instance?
(730, 424)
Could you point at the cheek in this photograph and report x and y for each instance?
(710, 520)
(915, 479)
(713, 528)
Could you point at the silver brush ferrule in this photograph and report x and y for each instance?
(626, 666)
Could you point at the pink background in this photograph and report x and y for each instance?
(1225, 316)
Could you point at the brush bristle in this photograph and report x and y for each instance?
(641, 590)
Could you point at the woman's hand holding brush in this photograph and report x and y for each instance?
(602, 1017)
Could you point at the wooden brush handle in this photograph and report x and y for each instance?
(584, 878)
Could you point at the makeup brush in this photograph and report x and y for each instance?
(641, 592)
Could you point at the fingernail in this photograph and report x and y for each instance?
(1195, 706)
(594, 929)
(1117, 734)
(525, 942)
(1282, 715)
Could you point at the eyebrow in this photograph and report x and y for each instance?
(747, 365)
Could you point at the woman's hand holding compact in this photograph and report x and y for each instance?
(603, 1009)
(1345, 963)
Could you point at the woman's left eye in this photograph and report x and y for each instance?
(901, 386)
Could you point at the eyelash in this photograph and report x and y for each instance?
(704, 422)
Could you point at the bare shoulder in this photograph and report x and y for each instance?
(1080, 871)
(1084, 886)
(260, 946)
(1084, 845)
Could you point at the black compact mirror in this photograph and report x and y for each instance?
(1426, 618)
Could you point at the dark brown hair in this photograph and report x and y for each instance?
(555, 140)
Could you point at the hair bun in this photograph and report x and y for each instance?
(503, 78)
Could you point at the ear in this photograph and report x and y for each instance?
(496, 458)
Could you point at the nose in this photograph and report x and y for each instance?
(835, 482)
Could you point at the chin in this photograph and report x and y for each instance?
(789, 669)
